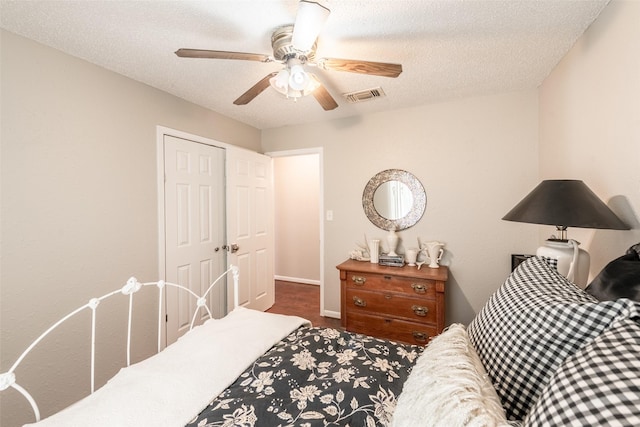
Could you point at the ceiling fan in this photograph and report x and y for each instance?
(295, 47)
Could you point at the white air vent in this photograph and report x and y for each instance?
(364, 95)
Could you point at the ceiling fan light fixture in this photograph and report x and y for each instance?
(293, 81)
(281, 81)
(295, 94)
(314, 84)
(310, 19)
(298, 78)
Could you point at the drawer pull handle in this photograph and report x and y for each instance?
(359, 302)
(419, 310)
(420, 336)
(359, 280)
(419, 288)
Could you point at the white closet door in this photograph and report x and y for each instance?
(250, 226)
(194, 228)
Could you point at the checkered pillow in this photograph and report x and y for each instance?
(530, 326)
(599, 385)
(553, 262)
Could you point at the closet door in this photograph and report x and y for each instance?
(194, 195)
(250, 226)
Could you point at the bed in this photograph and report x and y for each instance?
(540, 352)
(290, 371)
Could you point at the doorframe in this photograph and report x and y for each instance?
(319, 151)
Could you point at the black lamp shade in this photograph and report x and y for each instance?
(565, 203)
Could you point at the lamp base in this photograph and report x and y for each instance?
(573, 262)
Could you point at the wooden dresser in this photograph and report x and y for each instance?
(399, 303)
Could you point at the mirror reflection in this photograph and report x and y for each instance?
(393, 199)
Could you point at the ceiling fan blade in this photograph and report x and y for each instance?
(324, 98)
(221, 54)
(383, 69)
(254, 91)
(310, 19)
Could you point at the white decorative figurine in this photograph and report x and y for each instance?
(364, 253)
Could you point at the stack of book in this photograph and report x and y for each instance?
(391, 261)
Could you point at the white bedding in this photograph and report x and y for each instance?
(173, 386)
(448, 387)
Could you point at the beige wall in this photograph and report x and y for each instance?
(590, 125)
(297, 218)
(476, 159)
(79, 205)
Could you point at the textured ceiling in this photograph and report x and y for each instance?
(448, 48)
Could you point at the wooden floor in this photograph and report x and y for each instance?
(301, 300)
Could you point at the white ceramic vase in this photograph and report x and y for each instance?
(411, 256)
(374, 251)
(434, 252)
(392, 241)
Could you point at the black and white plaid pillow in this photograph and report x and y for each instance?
(599, 385)
(553, 262)
(531, 325)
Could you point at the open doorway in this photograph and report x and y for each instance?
(298, 200)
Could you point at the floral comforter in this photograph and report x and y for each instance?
(316, 377)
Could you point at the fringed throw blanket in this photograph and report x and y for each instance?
(316, 377)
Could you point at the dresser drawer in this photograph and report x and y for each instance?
(393, 329)
(391, 303)
(388, 282)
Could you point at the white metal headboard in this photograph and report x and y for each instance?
(8, 379)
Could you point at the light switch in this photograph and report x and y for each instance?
(329, 215)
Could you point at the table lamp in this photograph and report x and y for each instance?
(565, 203)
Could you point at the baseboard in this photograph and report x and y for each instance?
(297, 280)
(332, 314)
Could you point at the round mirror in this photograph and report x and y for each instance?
(394, 199)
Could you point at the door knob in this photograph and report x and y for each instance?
(234, 248)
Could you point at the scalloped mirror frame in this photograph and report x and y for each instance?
(416, 188)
